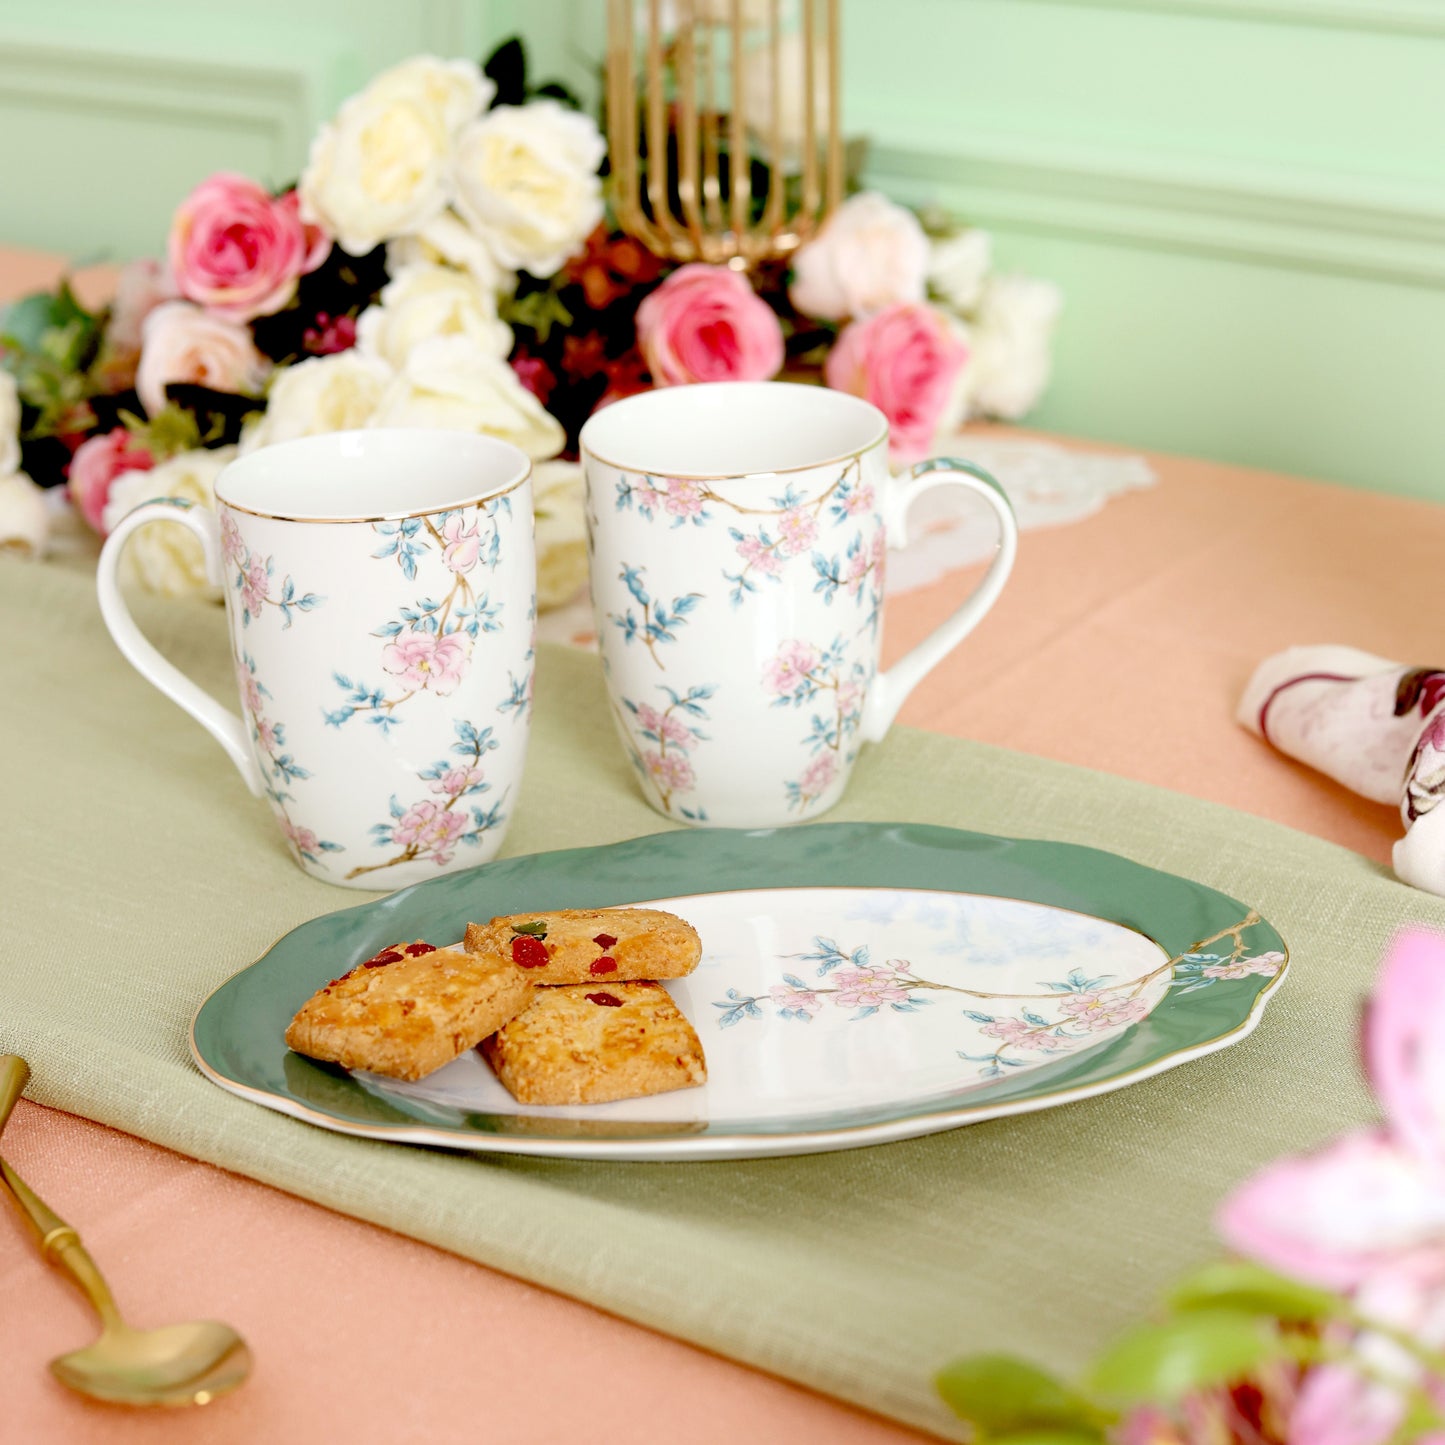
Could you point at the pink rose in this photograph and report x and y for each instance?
(238, 251)
(97, 463)
(706, 323)
(182, 343)
(423, 661)
(905, 359)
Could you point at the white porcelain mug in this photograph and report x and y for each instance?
(737, 534)
(381, 597)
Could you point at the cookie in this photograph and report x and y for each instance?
(589, 1043)
(409, 1010)
(591, 945)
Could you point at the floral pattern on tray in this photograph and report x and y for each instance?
(1066, 1014)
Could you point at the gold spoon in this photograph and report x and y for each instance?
(176, 1365)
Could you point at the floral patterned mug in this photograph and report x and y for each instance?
(380, 593)
(738, 533)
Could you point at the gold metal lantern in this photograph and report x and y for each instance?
(723, 125)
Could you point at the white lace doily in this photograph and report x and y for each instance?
(1048, 484)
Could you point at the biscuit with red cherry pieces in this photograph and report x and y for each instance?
(589, 1044)
(409, 1010)
(591, 945)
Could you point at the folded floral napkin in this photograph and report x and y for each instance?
(1376, 726)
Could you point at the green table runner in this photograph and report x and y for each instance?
(138, 874)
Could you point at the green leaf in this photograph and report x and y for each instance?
(1239, 1285)
(999, 1394)
(1161, 1363)
(539, 311)
(1049, 1436)
(23, 323)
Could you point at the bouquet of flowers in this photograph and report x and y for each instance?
(446, 259)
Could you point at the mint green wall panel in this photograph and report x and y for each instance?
(1244, 200)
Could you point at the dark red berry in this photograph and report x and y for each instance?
(389, 955)
(529, 952)
(604, 940)
(604, 965)
(607, 1000)
(415, 950)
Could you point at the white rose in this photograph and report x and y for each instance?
(422, 301)
(449, 381)
(783, 103)
(958, 266)
(380, 169)
(559, 497)
(1011, 336)
(166, 557)
(321, 394)
(141, 287)
(24, 517)
(869, 255)
(181, 341)
(526, 182)
(9, 424)
(448, 241)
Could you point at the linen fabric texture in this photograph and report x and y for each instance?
(138, 875)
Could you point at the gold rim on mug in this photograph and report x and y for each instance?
(880, 439)
(386, 517)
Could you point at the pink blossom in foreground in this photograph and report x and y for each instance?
(669, 729)
(456, 781)
(430, 828)
(757, 554)
(797, 530)
(1102, 1010)
(1366, 1214)
(818, 775)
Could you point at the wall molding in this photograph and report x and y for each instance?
(1391, 17)
(276, 102)
(1321, 223)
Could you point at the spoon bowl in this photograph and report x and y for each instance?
(186, 1364)
(176, 1365)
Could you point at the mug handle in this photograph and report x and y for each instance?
(890, 689)
(219, 721)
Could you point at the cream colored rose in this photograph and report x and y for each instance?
(181, 341)
(381, 168)
(9, 424)
(871, 254)
(1012, 341)
(448, 241)
(24, 517)
(451, 382)
(783, 102)
(422, 301)
(526, 183)
(322, 394)
(958, 266)
(166, 557)
(559, 498)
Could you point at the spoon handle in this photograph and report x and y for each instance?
(14, 1075)
(61, 1246)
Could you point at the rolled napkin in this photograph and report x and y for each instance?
(1374, 725)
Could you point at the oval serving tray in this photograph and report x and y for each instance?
(859, 983)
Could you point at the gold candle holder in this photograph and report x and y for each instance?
(681, 139)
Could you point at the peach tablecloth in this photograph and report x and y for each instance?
(1121, 644)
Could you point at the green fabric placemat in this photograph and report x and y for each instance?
(138, 874)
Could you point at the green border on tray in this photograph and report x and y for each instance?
(237, 1036)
